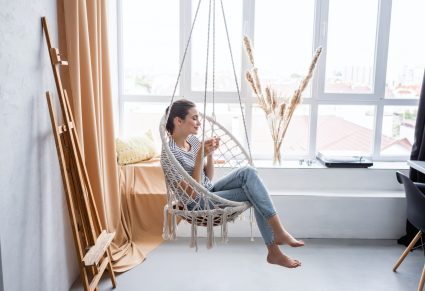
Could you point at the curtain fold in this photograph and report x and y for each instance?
(85, 35)
(418, 148)
(418, 153)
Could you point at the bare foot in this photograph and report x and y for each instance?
(281, 236)
(286, 238)
(283, 260)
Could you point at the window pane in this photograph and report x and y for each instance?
(406, 54)
(150, 46)
(142, 116)
(224, 77)
(228, 115)
(282, 50)
(345, 129)
(398, 130)
(351, 46)
(295, 142)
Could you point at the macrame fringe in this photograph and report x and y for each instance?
(251, 221)
(210, 232)
(166, 227)
(174, 226)
(194, 235)
(169, 230)
(224, 228)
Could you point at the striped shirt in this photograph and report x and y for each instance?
(187, 158)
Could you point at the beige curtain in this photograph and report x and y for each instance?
(85, 36)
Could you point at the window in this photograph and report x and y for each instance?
(398, 129)
(296, 138)
(363, 97)
(345, 128)
(151, 56)
(140, 117)
(224, 77)
(351, 46)
(406, 57)
(282, 50)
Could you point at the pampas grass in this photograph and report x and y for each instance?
(278, 110)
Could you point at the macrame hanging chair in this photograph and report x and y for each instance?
(207, 209)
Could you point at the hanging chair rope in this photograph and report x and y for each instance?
(205, 91)
(186, 197)
(184, 58)
(183, 190)
(236, 79)
(213, 75)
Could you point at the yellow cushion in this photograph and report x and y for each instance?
(135, 149)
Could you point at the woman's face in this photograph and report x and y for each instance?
(191, 123)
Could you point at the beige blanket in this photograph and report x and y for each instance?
(143, 196)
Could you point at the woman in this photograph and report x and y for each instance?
(243, 184)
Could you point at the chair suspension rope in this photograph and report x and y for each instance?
(205, 91)
(183, 59)
(236, 79)
(213, 76)
(186, 197)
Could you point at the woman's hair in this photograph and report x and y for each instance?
(179, 108)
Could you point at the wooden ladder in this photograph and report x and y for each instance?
(90, 239)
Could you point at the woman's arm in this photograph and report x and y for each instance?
(209, 167)
(196, 174)
(209, 146)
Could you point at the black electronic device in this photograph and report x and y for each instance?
(344, 161)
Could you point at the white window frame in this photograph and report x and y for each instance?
(318, 96)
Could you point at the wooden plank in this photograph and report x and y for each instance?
(97, 251)
(63, 128)
(68, 192)
(55, 70)
(80, 158)
(96, 278)
(56, 57)
(111, 269)
(80, 169)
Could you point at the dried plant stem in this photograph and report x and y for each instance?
(278, 112)
(248, 49)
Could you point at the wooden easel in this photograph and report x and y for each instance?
(90, 239)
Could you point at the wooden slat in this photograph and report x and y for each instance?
(111, 269)
(96, 278)
(96, 252)
(80, 158)
(68, 191)
(56, 57)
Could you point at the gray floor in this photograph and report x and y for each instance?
(327, 265)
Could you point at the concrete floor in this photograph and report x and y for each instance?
(327, 264)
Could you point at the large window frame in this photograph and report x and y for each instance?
(318, 95)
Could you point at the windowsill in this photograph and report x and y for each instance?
(268, 164)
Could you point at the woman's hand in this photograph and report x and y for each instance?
(210, 145)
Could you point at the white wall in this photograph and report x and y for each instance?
(36, 243)
(317, 202)
(1, 272)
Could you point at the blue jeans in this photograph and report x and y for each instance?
(243, 184)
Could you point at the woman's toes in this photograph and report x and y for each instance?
(297, 243)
